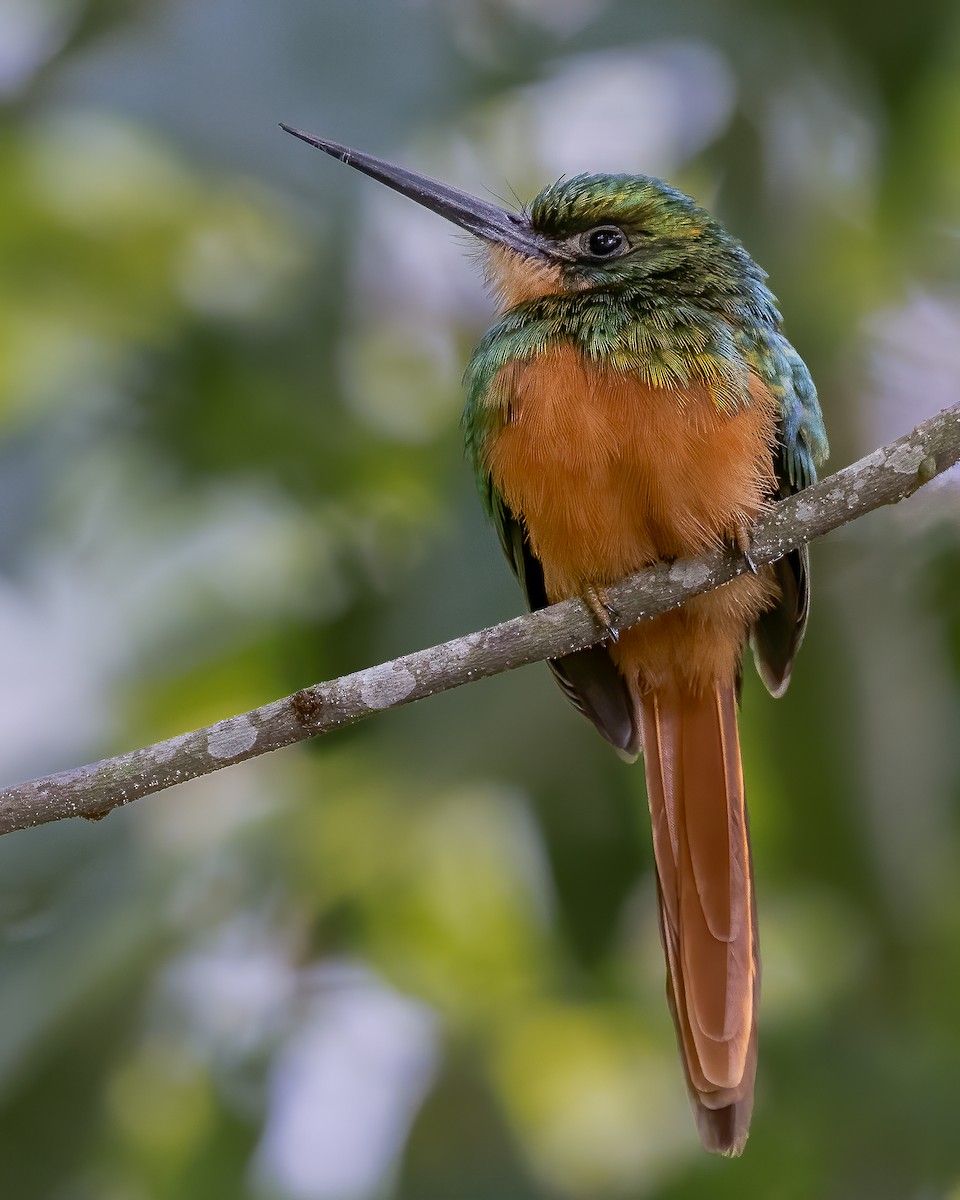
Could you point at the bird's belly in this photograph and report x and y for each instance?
(610, 474)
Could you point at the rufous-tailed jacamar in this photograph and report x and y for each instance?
(635, 402)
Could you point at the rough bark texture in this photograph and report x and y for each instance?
(884, 477)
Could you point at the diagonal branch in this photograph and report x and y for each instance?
(883, 477)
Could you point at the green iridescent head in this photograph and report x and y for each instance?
(640, 202)
(617, 229)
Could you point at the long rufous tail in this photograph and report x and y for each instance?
(708, 919)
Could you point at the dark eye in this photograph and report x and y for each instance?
(604, 242)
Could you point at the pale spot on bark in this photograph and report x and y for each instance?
(689, 574)
(906, 459)
(804, 510)
(386, 685)
(231, 738)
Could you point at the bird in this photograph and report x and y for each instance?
(636, 401)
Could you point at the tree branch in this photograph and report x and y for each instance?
(884, 477)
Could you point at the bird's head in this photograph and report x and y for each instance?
(591, 232)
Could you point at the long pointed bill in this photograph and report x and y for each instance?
(476, 216)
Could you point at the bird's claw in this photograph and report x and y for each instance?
(743, 540)
(604, 613)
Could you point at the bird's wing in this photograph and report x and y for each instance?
(589, 678)
(801, 448)
(777, 633)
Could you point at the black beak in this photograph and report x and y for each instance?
(476, 216)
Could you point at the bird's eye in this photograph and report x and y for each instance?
(604, 241)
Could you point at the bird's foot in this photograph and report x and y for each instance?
(743, 541)
(595, 598)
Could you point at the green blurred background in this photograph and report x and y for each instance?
(420, 959)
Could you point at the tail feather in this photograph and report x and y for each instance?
(707, 910)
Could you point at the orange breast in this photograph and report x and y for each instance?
(611, 475)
